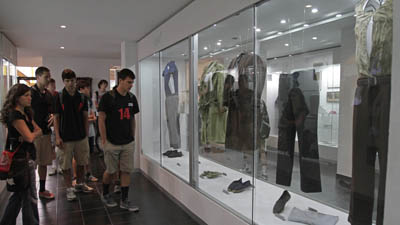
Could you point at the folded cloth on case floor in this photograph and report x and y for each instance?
(311, 217)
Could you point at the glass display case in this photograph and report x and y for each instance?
(280, 95)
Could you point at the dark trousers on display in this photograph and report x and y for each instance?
(171, 105)
(298, 117)
(370, 137)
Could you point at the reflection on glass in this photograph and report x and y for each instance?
(227, 95)
(150, 104)
(174, 76)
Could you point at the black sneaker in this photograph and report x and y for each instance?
(234, 184)
(280, 204)
(241, 187)
(167, 153)
(175, 154)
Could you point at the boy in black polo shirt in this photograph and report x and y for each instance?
(42, 105)
(71, 128)
(117, 125)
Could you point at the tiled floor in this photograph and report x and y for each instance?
(155, 207)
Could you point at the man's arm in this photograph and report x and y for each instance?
(102, 126)
(59, 142)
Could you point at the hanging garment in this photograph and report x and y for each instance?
(374, 39)
(240, 99)
(371, 110)
(212, 112)
(170, 75)
(298, 101)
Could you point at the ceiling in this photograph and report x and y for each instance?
(95, 28)
(236, 33)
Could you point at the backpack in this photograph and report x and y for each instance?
(60, 94)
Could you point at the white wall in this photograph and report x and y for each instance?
(392, 204)
(83, 67)
(348, 86)
(195, 17)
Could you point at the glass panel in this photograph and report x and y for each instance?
(3, 92)
(13, 74)
(150, 106)
(226, 96)
(312, 78)
(174, 75)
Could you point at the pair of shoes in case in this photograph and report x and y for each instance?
(238, 186)
(173, 154)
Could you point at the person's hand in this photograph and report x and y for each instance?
(50, 121)
(59, 143)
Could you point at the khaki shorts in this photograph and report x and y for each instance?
(79, 150)
(44, 151)
(119, 155)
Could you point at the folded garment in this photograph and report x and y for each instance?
(312, 217)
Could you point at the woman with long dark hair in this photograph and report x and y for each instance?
(16, 114)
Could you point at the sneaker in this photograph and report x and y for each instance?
(241, 187)
(91, 178)
(108, 200)
(127, 205)
(117, 188)
(46, 194)
(83, 187)
(70, 194)
(175, 154)
(52, 172)
(281, 202)
(234, 184)
(167, 153)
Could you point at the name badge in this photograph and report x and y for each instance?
(130, 104)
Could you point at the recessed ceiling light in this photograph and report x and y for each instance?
(338, 15)
(63, 26)
(258, 30)
(314, 10)
(183, 54)
(237, 45)
(219, 40)
(306, 25)
(280, 33)
(218, 43)
(62, 47)
(223, 49)
(308, 6)
(215, 25)
(283, 21)
(314, 38)
(286, 44)
(275, 58)
(205, 48)
(290, 55)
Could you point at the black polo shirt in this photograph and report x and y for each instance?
(42, 105)
(120, 110)
(71, 110)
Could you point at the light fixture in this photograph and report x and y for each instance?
(258, 29)
(314, 10)
(275, 58)
(280, 33)
(306, 25)
(62, 47)
(205, 48)
(314, 38)
(290, 55)
(183, 54)
(308, 6)
(218, 43)
(237, 45)
(219, 40)
(223, 49)
(286, 44)
(338, 15)
(283, 21)
(215, 25)
(63, 26)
